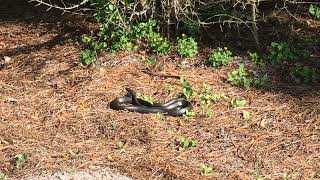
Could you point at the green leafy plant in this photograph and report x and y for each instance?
(161, 117)
(3, 176)
(238, 102)
(315, 11)
(205, 169)
(74, 153)
(186, 143)
(150, 61)
(220, 57)
(187, 88)
(117, 33)
(93, 44)
(192, 29)
(144, 29)
(159, 44)
(246, 115)
(239, 77)
(149, 31)
(254, 56)
(207, 97)
(121, 41)
(263, 81)
(256, 59)
(260, 177)
(189, 114)
(187, 46)
(120, 146)
(303, 74)
(286, 176)
(280, 52)
(20, 159)
(88, 56)
(114, 25)
(147, 98)
(207, 112)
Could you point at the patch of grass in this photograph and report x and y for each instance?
(187, 46)
(220, 57)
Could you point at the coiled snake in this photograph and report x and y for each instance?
(130, 102)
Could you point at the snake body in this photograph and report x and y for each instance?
(130, 102)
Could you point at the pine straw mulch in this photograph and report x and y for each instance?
(57, 113)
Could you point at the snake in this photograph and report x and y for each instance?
(175, 107)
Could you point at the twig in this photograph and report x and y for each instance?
(65, 8)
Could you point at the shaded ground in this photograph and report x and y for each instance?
(57, 113)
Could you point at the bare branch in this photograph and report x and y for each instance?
(62, 8)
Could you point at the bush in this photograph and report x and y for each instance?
(303, 74)
(315, 11)
(88, 57)
(158, 44)
(220, 57)
(280, 52)
(187, 46)
(239, 77)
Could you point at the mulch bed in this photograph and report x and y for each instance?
(57, 112)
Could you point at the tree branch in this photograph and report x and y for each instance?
(64, 8)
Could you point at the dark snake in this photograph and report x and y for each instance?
(130, 102)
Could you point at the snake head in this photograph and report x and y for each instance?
(133, 95)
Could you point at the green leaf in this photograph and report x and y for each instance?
(246, 115)
(205, 169)
(20, 157)
(238, 102)
(3, 176)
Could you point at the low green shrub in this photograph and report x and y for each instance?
(220, 57)
(239, 77)
(187, 46)
(303, 74)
